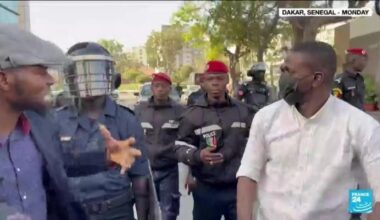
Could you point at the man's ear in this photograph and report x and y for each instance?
(4, 83)
(319, 78)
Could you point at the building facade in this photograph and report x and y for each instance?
(15, 12)
(187, 57)
(361, 32)
(139, 55)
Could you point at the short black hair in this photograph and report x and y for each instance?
(323, 55)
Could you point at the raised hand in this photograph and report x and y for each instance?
(120, 152)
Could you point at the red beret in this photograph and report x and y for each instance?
(356, 51)
(161, 77)
(216, 66)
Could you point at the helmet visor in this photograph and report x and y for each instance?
(88, 78)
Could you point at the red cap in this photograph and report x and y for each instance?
(161, 77)
(216, 66)
(356, 51)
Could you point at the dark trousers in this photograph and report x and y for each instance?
(119, 207)
(122, 212)
(167, 188)
(212, 203)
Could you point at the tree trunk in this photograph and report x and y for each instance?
(310, 33)
(307, 33)
(234, 74)
(297, 34)
(260, 54)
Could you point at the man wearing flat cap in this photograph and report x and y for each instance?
(32, 179)
(212, 135)
(159, 119)
(349, 85)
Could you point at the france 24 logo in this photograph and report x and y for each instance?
(377, 6)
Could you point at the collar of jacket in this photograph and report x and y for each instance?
(151, 103)
(202, 101)
(109, 108)
(352, 75)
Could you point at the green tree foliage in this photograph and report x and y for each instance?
(162, 48)
(142, 78)
(128, 68)
(152, 48)
(182, 74)
(234, 27)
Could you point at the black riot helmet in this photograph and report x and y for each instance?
(257, 71)
(91, 71)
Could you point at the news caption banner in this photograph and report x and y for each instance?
(325, 12)
(360, 201)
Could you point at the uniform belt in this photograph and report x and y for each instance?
(232, 185)
(98, 207)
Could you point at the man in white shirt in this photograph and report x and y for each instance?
(298, 161)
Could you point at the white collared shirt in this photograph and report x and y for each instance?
(304, 166)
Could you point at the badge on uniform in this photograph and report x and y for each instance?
(211, 140)
(171, 124)
(352, 89)
(65, 138)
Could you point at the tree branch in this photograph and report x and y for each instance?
(244, 52)
(227, 51)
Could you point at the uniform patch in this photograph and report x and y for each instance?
(211, 140)
(65, 138)
(237, 124)
(207, 129)
(171, 124)
(146, 125)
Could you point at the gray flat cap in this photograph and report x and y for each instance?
(22, 48)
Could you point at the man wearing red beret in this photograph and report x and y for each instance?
(212, 136)
(159, 118)
(350, 84)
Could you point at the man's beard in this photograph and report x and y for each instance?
(24, 103)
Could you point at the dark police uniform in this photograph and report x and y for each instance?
(160, 124)
(225, 126)
(103, 192)
(350, 87)
(254, 93)
(194, 96)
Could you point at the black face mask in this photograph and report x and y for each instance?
(259, 76)
(289, 89)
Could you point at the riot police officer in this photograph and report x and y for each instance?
(103, 192)
(349, 85)
(211, 139)
(195, 95)
(255, 92)
(159, 119)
